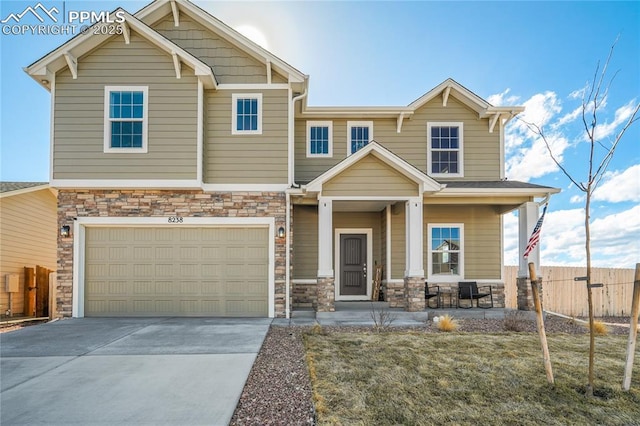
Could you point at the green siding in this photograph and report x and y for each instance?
(79, 115)
(245, 159)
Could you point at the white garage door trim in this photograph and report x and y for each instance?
(77, 308)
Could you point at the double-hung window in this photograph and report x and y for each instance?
(359, 134)
(444, 151)
(246, 116)
(126, 115)
(319, 139)
(445, 254)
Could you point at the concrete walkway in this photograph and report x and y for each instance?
(169, 371)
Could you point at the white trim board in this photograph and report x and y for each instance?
(369, 233)
(79, 226)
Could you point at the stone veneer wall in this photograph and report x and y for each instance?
(153, 203)
(525, 294)
(304, 295)
(394, 294)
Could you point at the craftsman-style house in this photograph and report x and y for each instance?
(193, 179)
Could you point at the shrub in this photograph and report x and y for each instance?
(447, 323)
(515, 321)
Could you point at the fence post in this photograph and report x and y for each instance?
(633, 330)
(540, 323)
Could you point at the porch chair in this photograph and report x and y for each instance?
(428, 295)
(469, 291)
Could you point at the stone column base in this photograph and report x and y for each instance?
(525, 295)
(326, 291)
(394, 294)
(414, 294)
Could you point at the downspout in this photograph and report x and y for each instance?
(292, 184)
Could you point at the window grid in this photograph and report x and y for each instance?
(246, 114)
(445, 250)
(359, 137)
(126, 115)
(319, 140)
(445, 145)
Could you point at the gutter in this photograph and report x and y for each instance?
(292, 184)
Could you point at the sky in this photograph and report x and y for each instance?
(540, 55)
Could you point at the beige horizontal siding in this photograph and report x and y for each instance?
(305, 242)
(230, 65)
(236, 159)
(370, 177)
(482, 244)
(481, 149)
(79, 115)
(398, 241)
(28, 237)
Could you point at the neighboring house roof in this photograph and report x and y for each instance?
(426, 183)
(67, 55)
(8, 189)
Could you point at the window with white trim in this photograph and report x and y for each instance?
(125, 118)
(359, 134)
(445, 249)
(246, 116)
(444, 152)
(319, 139)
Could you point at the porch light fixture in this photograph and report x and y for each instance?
(65, 231)
(281, 232)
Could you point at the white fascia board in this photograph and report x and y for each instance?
(243, 43)
(244, 187)
(24, 191)
(247, 86)
(355, 112)
(78, 46)
(460, 92)
(484, 192)
(126, 183)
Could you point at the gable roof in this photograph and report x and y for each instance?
(158, 9)
(8, 189)
(425, 183)
(67, 54)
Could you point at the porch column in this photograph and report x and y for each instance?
(527, 219)
(326, 280)
(414, 272)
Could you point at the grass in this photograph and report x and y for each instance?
(413, 378)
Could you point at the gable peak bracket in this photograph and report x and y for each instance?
(177, 64)
(126, 32)
(493, 121)
(72, 62)
(399, 124)
(445, 96)
(176, 14)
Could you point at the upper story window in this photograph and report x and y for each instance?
(126, 114)
(359, 134)
(319, 139)
(246, 114)
(444, 153)
(445, 242)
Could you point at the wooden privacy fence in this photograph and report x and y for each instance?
(561, 294)
(38, 291)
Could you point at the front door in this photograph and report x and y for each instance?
(353, 264)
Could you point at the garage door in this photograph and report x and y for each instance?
(176, 271)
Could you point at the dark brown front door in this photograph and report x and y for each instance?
(353, 264)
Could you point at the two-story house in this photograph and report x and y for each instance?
(193, 178)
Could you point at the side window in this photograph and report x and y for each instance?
(126, 115)
(319, 139)
(445, 249)
(444, 151)
(246, 116)
(359, 134)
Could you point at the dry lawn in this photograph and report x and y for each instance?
(413, 378)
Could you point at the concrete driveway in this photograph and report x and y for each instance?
(111, 371)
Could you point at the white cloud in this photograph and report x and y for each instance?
(501, 99)
(615, 239)
(568, 118)
(622, 114)
(620, 186)
(577, 199)
(535, 161)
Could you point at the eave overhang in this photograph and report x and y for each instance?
(71, 52)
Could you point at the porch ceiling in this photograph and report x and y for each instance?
(360, 206)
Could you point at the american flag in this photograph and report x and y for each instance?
(535, 235)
